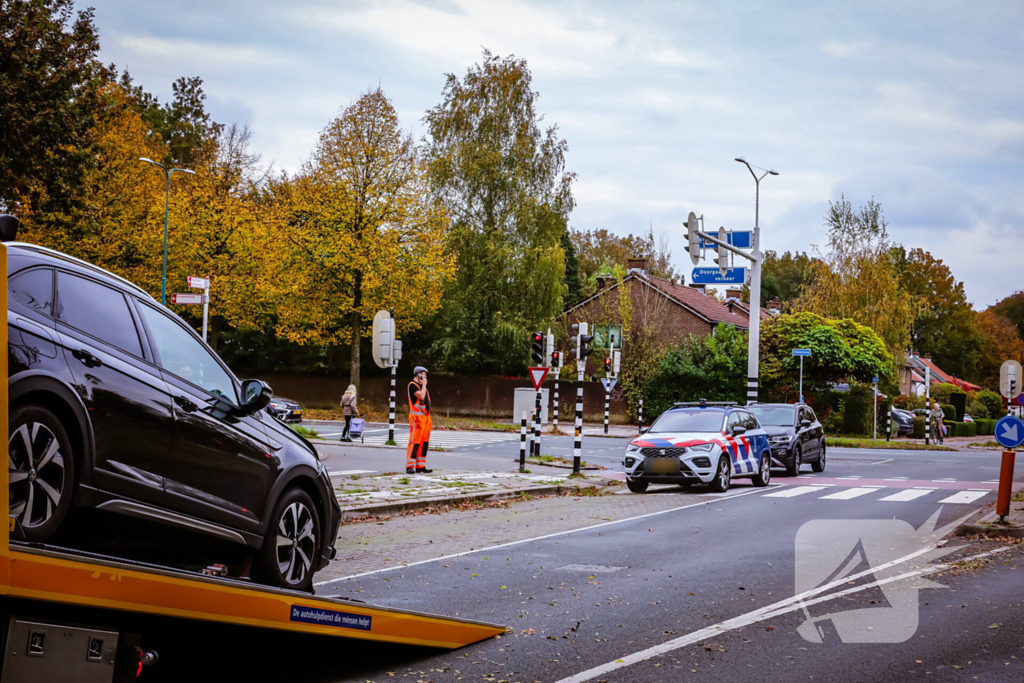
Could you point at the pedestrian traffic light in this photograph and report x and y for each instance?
(607, 366)
(538, 349)
(693, 238)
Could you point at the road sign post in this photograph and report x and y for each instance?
(537, 376)
(522, 443)
(1009, 432)
(874, 407)
(202, 283)
(802, 353)
(927, 407)
(640, 417)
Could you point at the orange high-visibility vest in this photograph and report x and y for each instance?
(418, 406)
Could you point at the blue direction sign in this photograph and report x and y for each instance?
(1010, 431)
(801, 352)
(740, 240)
(874, 380)
(713, 276)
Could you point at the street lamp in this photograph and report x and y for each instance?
(167, 197)
(754, 332)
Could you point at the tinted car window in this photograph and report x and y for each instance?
(35, 289)
(182, 354)
(97, 310)
(687, 421)
(806, 414)
(777, 416)
(749, 421)
(734, 419)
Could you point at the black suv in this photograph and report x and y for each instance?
(117, 404)
(795, 435)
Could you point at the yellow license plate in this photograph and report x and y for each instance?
(661, 465)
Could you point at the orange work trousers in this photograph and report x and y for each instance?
(419, 441)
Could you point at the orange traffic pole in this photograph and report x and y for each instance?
(1005, 485)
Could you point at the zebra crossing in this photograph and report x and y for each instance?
(888, 495)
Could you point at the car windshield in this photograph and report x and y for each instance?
(688, 421)
(774, 416)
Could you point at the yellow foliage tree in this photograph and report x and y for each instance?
(362, 233)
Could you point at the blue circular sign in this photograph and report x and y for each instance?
(1010, 431)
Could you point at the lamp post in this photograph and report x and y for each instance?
(755, 285)
(167, 199)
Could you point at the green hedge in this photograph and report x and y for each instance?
(954, 428)
(918, 432)
(986, 427)
(948, 412)
(857, 410)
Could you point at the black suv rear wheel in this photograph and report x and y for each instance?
(292, 545)
(42, 471)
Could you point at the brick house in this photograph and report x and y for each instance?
(913, 371)
(669, 307)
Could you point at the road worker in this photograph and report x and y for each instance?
(419, 423)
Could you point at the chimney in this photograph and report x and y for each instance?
(637, 265)
(927, 358)
(774, 305)
(734, 294)
(699, 288)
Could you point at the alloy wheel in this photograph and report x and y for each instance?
(723, 473)
(296, 542)
(766, 469)
(36, 474)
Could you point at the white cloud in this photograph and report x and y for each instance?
(190, 54)
(835, 48)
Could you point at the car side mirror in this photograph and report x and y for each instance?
(805, 423)
(256, 395)
(738, 429)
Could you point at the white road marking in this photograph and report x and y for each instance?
(906, 495)
(797, 602)
(942, 481)
(897, 479)
(882, 462)
(848, 494)
(965, 496)
(345, 472)
(795, 491)
(536, 538)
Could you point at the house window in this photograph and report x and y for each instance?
(604, 333)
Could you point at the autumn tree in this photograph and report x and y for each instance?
(999, 342)
(1012, 308)
(601, 251)
(857, 277)
(944, 327)
(503, 179)
(50, 83)
(782, 277)
(362, 233)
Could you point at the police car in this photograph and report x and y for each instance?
(691, 443)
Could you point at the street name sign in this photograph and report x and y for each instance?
(1009, 431)
(609, 383)
(537, 376)
(874, 380)
(713, 276)
(186, 298)
(198, 282)
(740, 240)
(801, 352)
(1009, 379)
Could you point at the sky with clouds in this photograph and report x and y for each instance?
(916, 103)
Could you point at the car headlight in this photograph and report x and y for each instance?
(632, 449)
(702, 447)
(781, 440)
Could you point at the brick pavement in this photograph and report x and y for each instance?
(368, 546)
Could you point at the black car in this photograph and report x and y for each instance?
(795, 435)
(117, 404)
(285, 409)
(902, 422)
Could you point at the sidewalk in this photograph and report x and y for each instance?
(386, 494)
(989, 523)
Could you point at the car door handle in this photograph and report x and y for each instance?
(89, 360)
(185, 404)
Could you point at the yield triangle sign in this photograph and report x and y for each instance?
(537, 375)
(609, 383)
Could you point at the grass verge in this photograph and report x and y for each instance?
(850, 442)
(305, 431)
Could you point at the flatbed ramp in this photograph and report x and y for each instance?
(46, 577)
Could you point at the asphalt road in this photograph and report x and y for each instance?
(632, 599)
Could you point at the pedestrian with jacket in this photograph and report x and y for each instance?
(937, 416)
(349, 410)
(419, 423)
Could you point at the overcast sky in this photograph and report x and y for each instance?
(919, 105)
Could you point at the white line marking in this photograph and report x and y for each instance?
(849, 493)
(882, 462)
(965, 497)
(536, 538)
(942, 481)
(897, 479)
(343, 472)
(795, 491)
(906, 495)
(797, 602)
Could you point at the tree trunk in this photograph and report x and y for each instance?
(357, 329)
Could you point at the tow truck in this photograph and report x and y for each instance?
(71, 615)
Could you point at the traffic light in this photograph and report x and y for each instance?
(608, 366)
(538, 349)
(549, 349)
(585, 340)
(556, 359)
(724, 256)
(692, 238)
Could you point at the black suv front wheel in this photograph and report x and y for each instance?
(292, 544)
(41, 468)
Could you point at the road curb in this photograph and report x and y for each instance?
(391, 508)
(988, 525)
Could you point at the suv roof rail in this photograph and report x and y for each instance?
(704, 402)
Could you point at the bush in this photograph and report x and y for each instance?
(986, 427)
(992, 401)
(857, 410)
(948, 412)
(918, 432)
(941, 392)
(833, 424)
(954, 428)
(978, 411)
